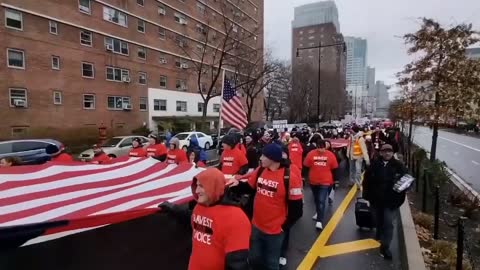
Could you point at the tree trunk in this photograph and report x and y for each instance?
(201, 127)
(433, 150)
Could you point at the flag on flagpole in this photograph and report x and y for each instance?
(232, 108)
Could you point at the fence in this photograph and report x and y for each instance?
(433, 195)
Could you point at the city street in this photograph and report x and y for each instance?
(460, 152)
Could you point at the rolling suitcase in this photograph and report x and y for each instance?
(363, 214)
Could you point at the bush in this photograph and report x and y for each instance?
(424, 220)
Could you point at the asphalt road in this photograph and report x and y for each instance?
(461, 153)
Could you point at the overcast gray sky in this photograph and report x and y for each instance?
(381, 22)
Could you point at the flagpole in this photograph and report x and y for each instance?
(221, 107)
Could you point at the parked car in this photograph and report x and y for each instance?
(114, 147)
(29, 151)
(204, 141)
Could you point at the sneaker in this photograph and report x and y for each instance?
(330, 201)
(385, 253)
(314, 217)
(319, 225)
(282, 261)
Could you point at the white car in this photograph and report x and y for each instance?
(204, 141)
(114, 147)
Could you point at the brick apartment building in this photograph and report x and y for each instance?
(83, 63)
(332, 66)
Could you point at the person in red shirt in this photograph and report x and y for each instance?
(221, 231)
(99, 157)
(295, 151)
(277, 205)
(175, 155)
(58, 154)
(194, 158)
(232, 160)
(156, 148)
(137, 149)
(321, 164)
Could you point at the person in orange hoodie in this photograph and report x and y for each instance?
(137, 150)
(58, 154)
(221, 231)
(175, 155)
(156, 148)
(99, 157)
(321, 164)
(232, 160)
(295, 151)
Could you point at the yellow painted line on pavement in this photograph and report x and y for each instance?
(314, 252)
(343, 248)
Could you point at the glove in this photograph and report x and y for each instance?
(166, 206)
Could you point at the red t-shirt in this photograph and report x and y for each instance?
(156, 150)
(217, 230)
(321, 166)
(242, 149)
(176, 156)
(138, 152)
(295, 151)
(63, 157)
(269, 206)
(101, 159)
(232, 160)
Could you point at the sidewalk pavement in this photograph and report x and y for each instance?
(341, 245)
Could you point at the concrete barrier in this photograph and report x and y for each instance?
(412, 258)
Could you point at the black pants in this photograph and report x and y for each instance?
(285, 243)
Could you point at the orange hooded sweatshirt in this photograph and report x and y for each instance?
(218, 230)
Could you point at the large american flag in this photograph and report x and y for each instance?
(45, 202)
(232, 108)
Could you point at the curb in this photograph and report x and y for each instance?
(409, 244)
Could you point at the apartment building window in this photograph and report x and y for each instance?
(115, 16)
(180, 18)
(201, 8)
(163, 81)
(117, 102)
(162, 11)
(142, 77)
(118, 74)
(200, 106)
(53, 27)
(162, 59)
(181, 106)
(13, 19)
(201, 29)
(142, 53)
(116, 46)
(57, 97)
(200, 48)
(181, 42)
(178, 63)
(143, 104)
(86, 38)
(181, 85)
(311, 31)
(89, 102)
(55, 62)
(159, 104)
(18, 95)
(88, 70)
(84, 6)
(141, 2)
(161, 33)
(141, 26)
(216, 107)
(16, 58)
(301, 32)
(311, 37)
(203, 87)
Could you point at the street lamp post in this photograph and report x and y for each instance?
(343, 44)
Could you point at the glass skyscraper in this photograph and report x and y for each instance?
(316, 13)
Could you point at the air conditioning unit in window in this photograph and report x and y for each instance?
(127, 107)
(161, 12)
(184, 66)
(84, 9)
(183, 21)
(163, 61)
(19, 103)
(125, 79)
(109, 47)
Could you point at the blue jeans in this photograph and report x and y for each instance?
(265, 250)
(384, 217)
(320, 194)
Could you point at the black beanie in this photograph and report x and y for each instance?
(273, 152)
(229, 140)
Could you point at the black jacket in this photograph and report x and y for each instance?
(253, 156)
(378, 183)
